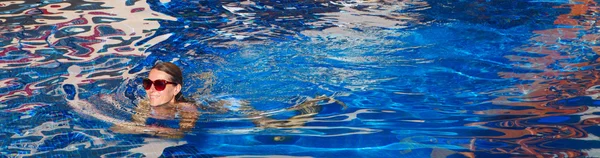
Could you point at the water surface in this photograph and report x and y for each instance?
(420, 78)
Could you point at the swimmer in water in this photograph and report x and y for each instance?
(165, 113)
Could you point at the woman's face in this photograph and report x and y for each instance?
(167, 95)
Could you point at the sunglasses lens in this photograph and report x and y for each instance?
(160, 85)
(147, 84)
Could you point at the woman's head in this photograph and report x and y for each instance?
(163, 84)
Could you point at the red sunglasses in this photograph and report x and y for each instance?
(159, 85)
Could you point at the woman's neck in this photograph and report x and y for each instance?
(166, 110)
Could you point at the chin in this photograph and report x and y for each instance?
(157, 103)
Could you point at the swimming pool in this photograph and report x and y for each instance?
(427, 78)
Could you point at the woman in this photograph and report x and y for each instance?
(165, 113)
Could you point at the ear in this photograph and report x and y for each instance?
(177, 89)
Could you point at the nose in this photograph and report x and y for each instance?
(152, 89)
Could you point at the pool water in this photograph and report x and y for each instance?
(420, 78)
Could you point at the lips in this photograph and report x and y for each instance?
(154, 97)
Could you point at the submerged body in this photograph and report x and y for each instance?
(166, 114)
(170, 121)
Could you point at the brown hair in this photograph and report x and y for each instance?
(175, 75)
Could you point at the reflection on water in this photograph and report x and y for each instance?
(561, 101)
(420, 78)
(56, 52)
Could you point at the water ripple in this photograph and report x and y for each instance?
(420, 78)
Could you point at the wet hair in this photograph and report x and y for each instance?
(175, 75)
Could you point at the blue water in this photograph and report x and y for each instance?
(420, 79)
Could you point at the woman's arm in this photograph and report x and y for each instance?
(189, 116)
(130, 128)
